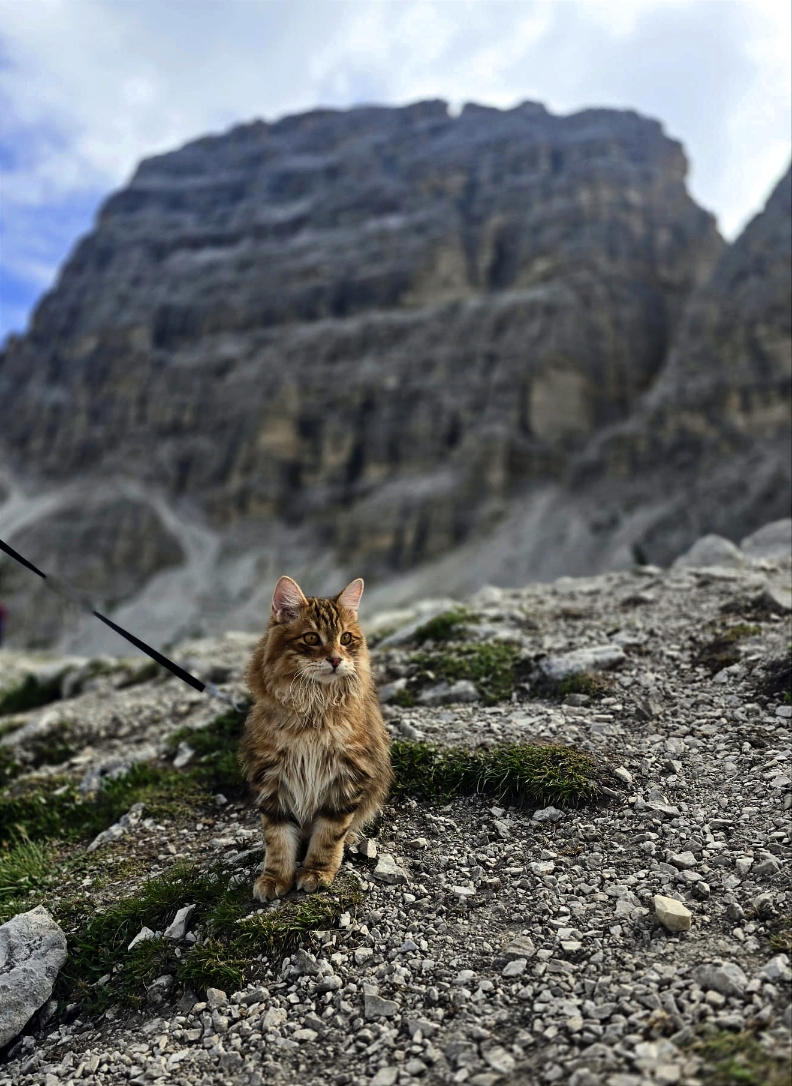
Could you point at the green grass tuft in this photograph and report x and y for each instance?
(721, 651)
(737, 1059)
(595, 685)
(444, 627)
(233, 938)
(24, 865)
(494, 667)
(522, 775)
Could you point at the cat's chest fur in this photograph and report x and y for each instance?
(312, 768)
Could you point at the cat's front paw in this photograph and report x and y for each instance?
(268, 886)
(311, 879)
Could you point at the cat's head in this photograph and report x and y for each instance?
(316, 640)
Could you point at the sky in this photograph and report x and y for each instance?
(89, 87)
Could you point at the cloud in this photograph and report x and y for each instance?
(88, 89)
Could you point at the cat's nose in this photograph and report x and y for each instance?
(334, 660)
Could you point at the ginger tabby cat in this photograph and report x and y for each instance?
(315, 748)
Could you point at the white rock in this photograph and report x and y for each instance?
(142, 936)
(177, 929)
(598, 658)
(184, 755)
(515, 968)
(671, 913)
(32, 951)
(543, 867)
(711, 550)
(368, 848)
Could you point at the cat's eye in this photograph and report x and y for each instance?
(311, 638)
(346, 638)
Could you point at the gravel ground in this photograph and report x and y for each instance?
(496, 945)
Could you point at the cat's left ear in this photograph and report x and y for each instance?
(349, 599)
(287, 600)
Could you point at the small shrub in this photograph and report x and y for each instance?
(721, 651)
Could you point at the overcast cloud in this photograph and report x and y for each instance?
(89, 87)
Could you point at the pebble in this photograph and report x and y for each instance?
(672, 914)
(387, 870)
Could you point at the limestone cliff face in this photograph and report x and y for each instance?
(708, 448)
(348, 340)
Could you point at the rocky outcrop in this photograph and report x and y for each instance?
(709, 447)
(395, 343)
(370, 329)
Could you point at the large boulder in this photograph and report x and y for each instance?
(32, 951)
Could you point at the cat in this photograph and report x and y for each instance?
(315, 748)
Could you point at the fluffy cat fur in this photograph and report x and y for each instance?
(315, 748)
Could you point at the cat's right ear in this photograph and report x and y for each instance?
(287, 600)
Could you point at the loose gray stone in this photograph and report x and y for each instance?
(711, 550)
(375, 1006)
(387, 870)
(771, 542)
(386, 1076)
(777, 969)
(685, 861)
(216, 997)
(725, 977)
(519, 947)
(671, 913)
(444, 694)
(32, 951)
(122, 826)
(499, 1059)
(515, 968)
(599, 658)
(547, 814)
(392, 690)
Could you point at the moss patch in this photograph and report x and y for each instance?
(232, 936)
(591, 683)
(721, 651)
(30, 694)
(522, 775)
(444, 627)
(737, 1059)
(495, 668)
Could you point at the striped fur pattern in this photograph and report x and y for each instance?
(315, 749)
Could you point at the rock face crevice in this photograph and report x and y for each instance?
(360, 340)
